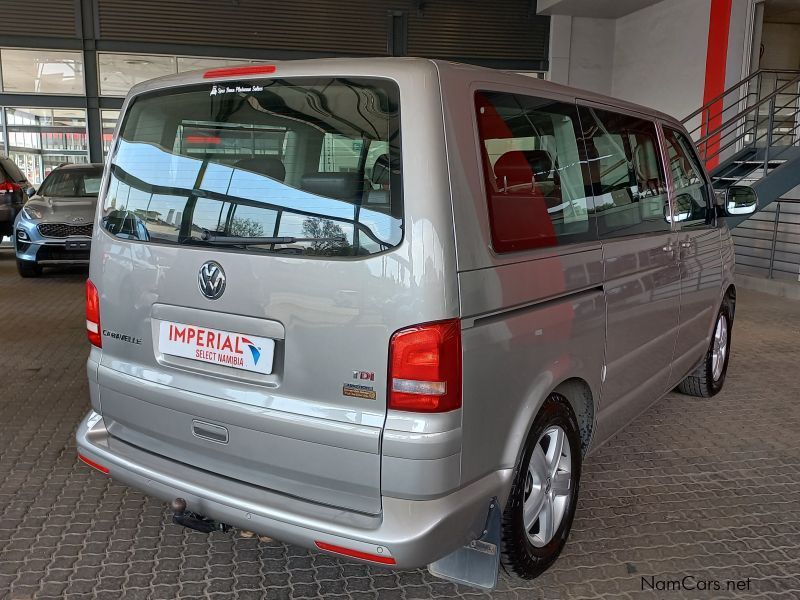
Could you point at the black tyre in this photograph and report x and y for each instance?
(541, 506)
(28, 268)
(709, 377)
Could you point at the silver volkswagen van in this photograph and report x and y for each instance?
(384, 308)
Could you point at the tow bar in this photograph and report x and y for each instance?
(181, 516)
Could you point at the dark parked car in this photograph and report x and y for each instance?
(14, 188)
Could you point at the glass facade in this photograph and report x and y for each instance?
(109, 120)
(119, 72)
(40, 139)
(42, 72)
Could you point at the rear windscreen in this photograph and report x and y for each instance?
(306, 166)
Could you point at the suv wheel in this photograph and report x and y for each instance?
(28, 268)
(541, 506)
(709, 377)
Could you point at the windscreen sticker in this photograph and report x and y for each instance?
(237, 89)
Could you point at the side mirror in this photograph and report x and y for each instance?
(740, 200)
(31, 191)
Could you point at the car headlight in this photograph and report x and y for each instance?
(31, 213)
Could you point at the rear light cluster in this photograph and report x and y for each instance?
(93, 315)
(425, 367)
(9, 186)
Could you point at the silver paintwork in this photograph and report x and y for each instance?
(304, 463)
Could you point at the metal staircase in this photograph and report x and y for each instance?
(750, 135)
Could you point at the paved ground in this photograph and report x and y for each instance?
(708, 489)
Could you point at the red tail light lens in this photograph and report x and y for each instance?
(93, 315)
(425, 368)
(239, 71)
(93, 464)
(9, 186)
(384, 560)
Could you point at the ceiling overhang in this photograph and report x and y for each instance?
(602, 9)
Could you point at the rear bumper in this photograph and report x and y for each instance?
(413, 532)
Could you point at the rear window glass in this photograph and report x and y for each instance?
(306, 166)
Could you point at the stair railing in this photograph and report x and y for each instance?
(741, 129)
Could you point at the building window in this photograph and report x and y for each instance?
(190, 63)
(119, 72)
(40, 139)
(109, 119)
(42, 71)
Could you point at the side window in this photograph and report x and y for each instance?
(532, 168)
(630, 189)
(692, 206)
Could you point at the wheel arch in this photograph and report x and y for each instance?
(730, 296)
(580, 397)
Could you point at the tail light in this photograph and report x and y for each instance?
(9, 186)
(425, 367)
(93, 315)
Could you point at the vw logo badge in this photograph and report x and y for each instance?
(211, 280)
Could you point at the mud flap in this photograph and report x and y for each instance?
(477, 563)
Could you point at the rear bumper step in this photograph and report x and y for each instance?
(413, 533)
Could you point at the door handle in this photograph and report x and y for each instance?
(668, 248)
(686, 244)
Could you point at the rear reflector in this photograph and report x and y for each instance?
(425, 367)
(377, 558)
(93, 464)
(93, 315)
(239, 71)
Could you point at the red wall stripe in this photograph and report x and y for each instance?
(716, 59)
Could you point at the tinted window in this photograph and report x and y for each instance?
(280, 158)
(532, 167)
(692, 206)
(70, 183)
(626, 173)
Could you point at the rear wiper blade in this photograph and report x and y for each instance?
(230, 240)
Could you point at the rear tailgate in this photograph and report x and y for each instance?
(292, 430)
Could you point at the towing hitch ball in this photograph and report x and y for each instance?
(181, 516)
